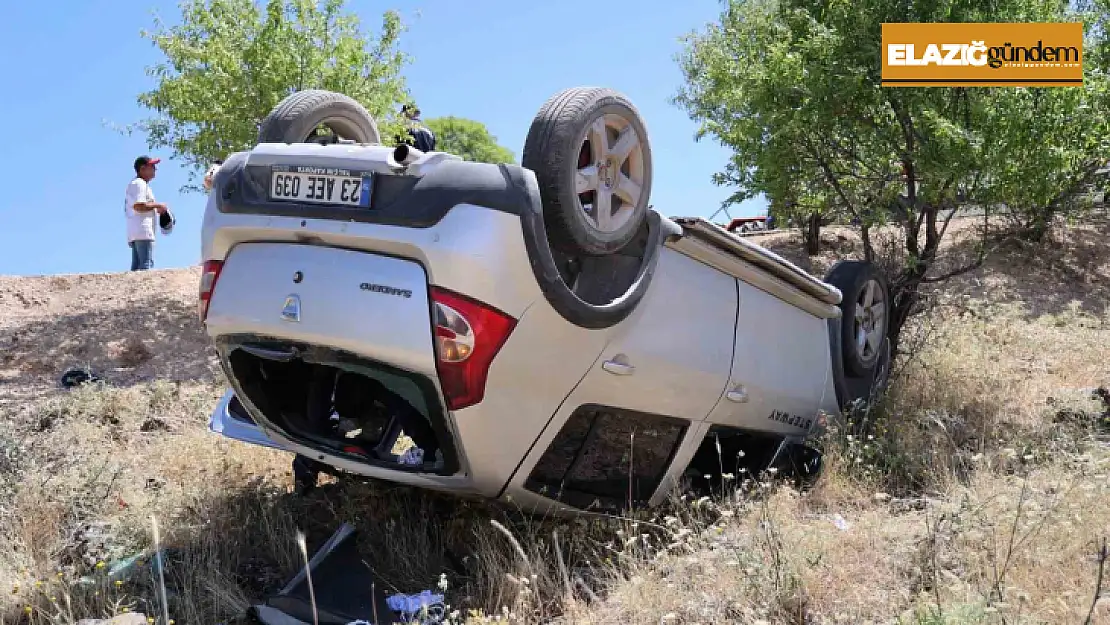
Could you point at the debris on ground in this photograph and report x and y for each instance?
(78, 376)
(131, 618)
(91, 543)
(344, 589)
(425, 606)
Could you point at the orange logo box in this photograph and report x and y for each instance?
(983, 55)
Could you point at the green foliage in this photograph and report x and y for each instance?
(792, 87)
(229, 62)
(469, 139)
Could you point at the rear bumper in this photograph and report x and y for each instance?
(238, 427)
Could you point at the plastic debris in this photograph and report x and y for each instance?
(125, 569)
(270, 616)
(133, 618)
(413, 456)
(425, 606)
(345, 589)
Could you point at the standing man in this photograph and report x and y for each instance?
(139, 208)
(419, 135)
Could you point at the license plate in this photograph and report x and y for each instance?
(320, 185)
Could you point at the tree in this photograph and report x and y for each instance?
(806, 204)
(796, 194)
(792, 87)
(229, 62)
(469, 139)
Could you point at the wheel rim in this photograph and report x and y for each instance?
(610, 175)
(335, 130)
(324, 133)
(870, 321)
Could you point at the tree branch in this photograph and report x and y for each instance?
(829, 176)
(978, 262)
(947, 219)
(956, 206)
(1080, 180)
(956, 272)
(856, 157)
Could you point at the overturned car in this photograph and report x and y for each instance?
(533, 332)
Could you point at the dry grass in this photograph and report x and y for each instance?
(977, 494)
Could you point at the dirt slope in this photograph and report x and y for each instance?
(127, 327)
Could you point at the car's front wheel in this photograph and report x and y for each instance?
(864, 327)
(864, 308)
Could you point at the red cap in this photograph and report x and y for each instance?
(145, 160)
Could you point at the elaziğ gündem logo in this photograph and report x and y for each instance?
(1016, 55)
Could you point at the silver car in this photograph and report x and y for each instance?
(534, 332)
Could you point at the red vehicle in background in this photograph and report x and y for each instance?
(750, 224)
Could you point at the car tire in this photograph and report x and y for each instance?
(296, 118)
(865, 315)
(564, 150)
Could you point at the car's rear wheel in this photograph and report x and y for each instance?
(589, 150)
(318, 116)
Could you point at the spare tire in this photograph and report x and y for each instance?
(589, 150)
(296, 118)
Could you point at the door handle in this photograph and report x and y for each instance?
(737, 395)
(618, 368)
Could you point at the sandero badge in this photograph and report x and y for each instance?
(382, 288)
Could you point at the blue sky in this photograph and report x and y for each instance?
(491, 60)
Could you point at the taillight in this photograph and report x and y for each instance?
(468, 334)
(208, 277)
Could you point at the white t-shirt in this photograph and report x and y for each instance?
(140, 225)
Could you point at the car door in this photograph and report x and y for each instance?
(779, 369)
(638, 414)
(673, 354)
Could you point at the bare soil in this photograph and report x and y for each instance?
(126, 327)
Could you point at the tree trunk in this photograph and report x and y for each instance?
(903, 304)
(1038, 227)
(905, 294)
(868, 249)
(812, 234)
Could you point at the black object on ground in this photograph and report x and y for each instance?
(77, 377)
(346, 589)
(306, 474)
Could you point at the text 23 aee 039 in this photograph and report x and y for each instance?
(320, 188)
